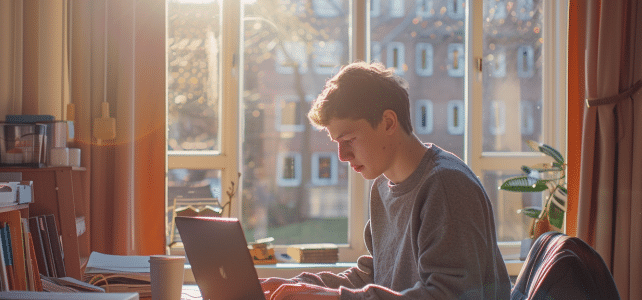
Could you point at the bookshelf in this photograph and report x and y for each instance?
(60, 191)
(12, 216)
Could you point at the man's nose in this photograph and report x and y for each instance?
(345, 152)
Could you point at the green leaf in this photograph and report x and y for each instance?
(550, 151)
(526, 169)
(532, 212)
(556, 216)
(524, 184)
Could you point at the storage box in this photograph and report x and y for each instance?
(22, 145)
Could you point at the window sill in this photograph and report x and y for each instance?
(289, 270)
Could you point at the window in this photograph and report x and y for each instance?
(396, 8)
(423, 59)
(455, 9)
(236, 102)
(395, 57)
(327, 57)
(456, 117)
(289, 114)
(456, 62)
(497, 118)
(423, 117)
(325, 168)
(290, 55)
(327, 8)
(525, 58)
(425, 8)
(288, 169)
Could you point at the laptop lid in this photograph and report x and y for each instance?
(217, 252)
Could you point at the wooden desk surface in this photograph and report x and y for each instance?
(190, 292)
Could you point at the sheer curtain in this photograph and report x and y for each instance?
(610, 189)
(127, 174)
(52, 53)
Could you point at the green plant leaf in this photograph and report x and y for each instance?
(532, 212)
(556, 216)
(524, 184)
(550, 151)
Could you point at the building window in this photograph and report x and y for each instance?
(396, 8)
(289, 114)
(455, 9)
(495, 9)
(497, 64)
(325, 168)
(375, 49)
(456, 63)
(375, 8)
(327, 57)
(294, 55)
(289, 169)
(425, 8)
(423, 59)
(327, 8)
(456, 117)
(423, 116)
(526, 117)
(525, 10)
(395, 57)
(497, 117)
(525, 62)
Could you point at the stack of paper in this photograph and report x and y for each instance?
(119, 273)
(314, 253)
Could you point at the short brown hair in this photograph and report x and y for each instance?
(362, 91)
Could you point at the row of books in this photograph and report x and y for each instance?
(314, 253)
(31, 248)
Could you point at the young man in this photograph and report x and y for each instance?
(431, 233)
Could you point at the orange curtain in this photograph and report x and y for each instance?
(610, 189)
(575, 107)
(125, 175)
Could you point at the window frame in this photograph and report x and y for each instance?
(231, 123)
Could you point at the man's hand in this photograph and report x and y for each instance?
(302, 291)
(285, 289)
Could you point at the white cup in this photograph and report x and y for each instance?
(166, 272)
(74, 157)
(59, 157)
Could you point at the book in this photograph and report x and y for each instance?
(314, 253)
(56, 245)
(4, 280)
(37, 283)
(39, 250)
(29, 269)
(46, 245)
(14, 235)
(119, 273)
(7, 253)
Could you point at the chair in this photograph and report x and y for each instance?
(563, 267)
(189, 201)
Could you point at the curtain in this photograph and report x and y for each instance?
(118, 57)
(610, 190)
(65, 58)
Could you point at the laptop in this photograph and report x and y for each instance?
(221, 262)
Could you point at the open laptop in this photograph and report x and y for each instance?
(221, 262)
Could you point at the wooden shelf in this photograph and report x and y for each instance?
(59, 191)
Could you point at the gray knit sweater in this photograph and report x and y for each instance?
(431, 236)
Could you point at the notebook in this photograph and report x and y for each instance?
(221, 262)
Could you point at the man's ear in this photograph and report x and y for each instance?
(390, 120)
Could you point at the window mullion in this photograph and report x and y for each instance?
(228, 74)
(473, 86)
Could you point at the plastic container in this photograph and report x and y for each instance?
(22, 145)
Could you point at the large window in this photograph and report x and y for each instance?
(242, 74)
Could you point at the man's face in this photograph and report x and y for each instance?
(364, 147)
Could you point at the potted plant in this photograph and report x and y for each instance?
(550, 177)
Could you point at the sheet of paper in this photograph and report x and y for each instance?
(100, 263)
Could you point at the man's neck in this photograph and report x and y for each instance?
(409, 154)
